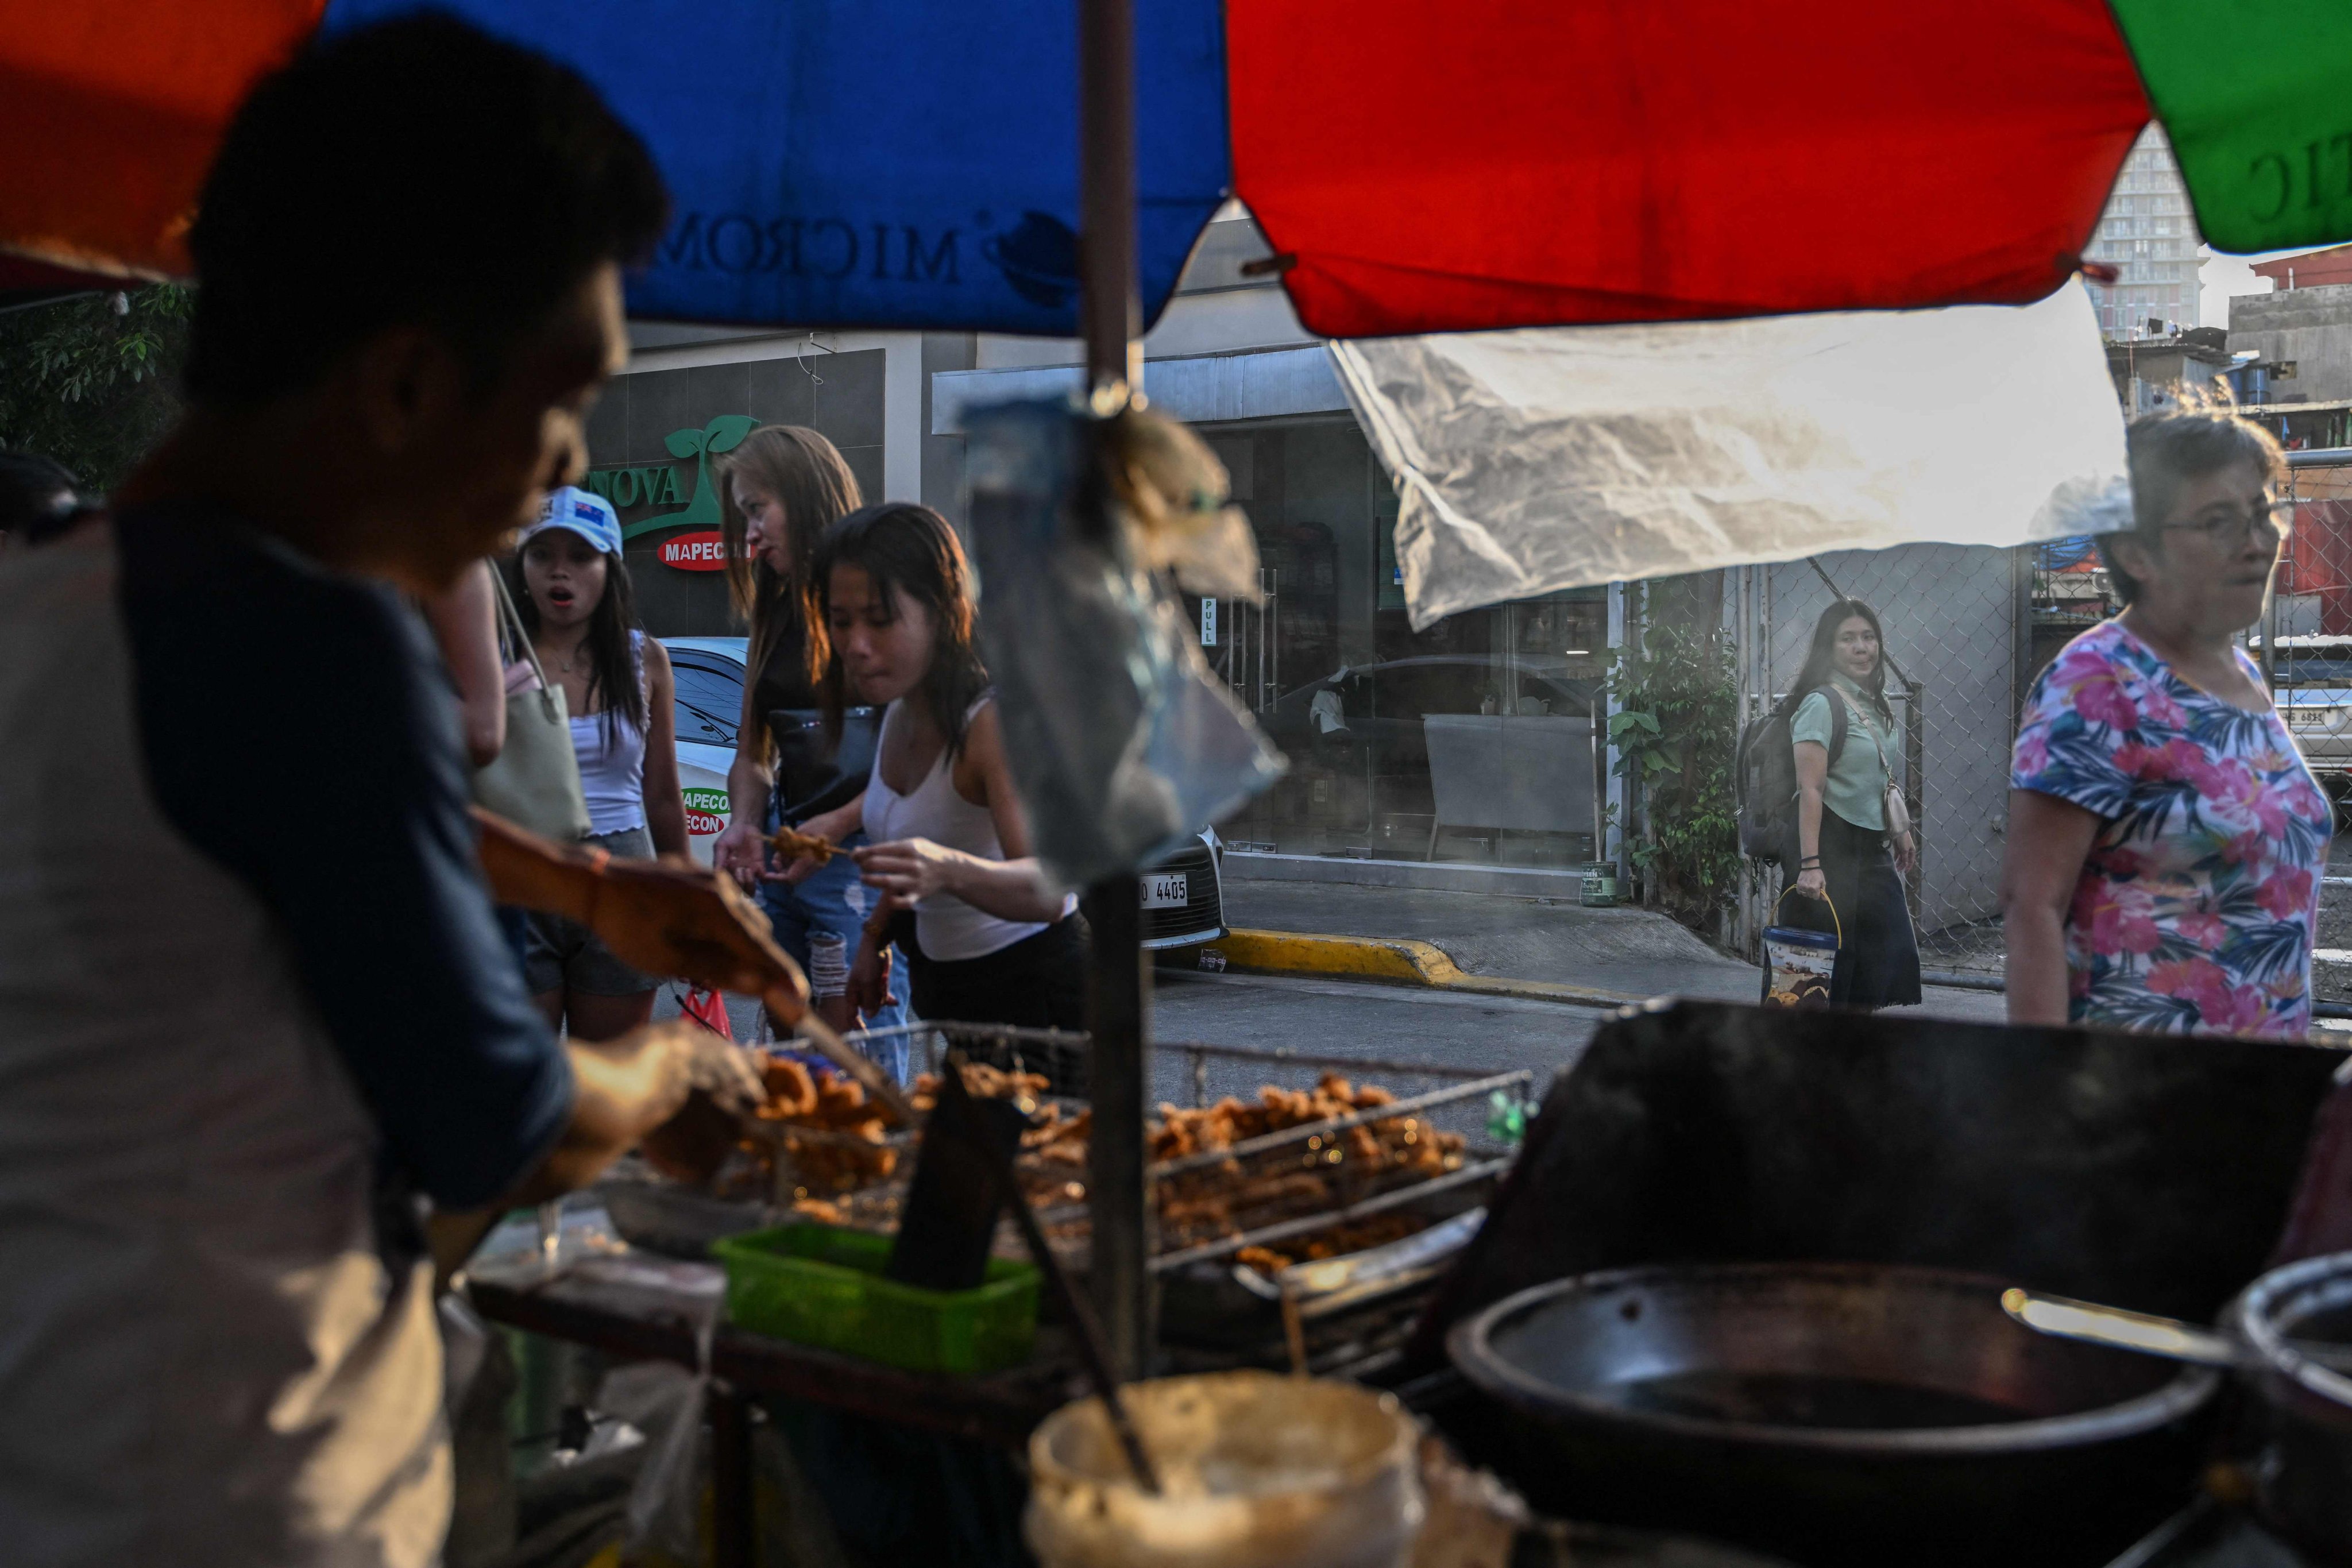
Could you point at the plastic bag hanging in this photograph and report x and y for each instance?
(1122, 740)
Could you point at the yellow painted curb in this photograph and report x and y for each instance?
(1398, 960)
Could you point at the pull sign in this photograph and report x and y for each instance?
(1208, 623)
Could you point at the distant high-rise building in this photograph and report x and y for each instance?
(2147, 235)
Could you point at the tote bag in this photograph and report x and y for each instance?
(535, 780)
(1804, 967)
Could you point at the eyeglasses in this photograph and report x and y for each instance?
(2227, 527)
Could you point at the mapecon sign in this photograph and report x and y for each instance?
(701, 551)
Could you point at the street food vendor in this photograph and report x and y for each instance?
(254, 1008)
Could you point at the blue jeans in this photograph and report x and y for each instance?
(834, 901)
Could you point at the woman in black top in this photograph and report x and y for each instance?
(782, 487)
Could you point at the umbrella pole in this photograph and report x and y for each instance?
(1110, 310)
(1119, 991)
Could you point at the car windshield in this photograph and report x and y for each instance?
(710, 700)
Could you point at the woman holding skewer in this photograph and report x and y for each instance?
(991, 941)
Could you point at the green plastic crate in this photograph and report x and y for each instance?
(819, 1284)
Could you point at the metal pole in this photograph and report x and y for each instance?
(1118, 1193)
(1111, 314)
(1118, 994)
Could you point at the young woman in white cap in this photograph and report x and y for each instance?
(580, 613)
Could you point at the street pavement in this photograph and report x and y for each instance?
(2332, 974)
(1629, 950)
(1635, 952)
(1394, 1023)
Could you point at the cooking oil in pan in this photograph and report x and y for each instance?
(1806, 1399)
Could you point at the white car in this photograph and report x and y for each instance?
(708, 674)
(1183, 895)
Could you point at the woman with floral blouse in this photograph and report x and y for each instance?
(2165, 840)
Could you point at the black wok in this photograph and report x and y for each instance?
(2302, 1413)
(1834, 1413)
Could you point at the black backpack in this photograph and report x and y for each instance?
(1767, 783)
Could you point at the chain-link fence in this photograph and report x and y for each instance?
(2304, 642)
(1964, 628)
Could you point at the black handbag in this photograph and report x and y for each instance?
(812, 777)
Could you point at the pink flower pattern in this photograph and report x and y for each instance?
(2198, 904)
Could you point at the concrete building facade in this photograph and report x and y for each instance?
(2149, 236)
(2305, 338)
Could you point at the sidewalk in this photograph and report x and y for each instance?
(1547, 948)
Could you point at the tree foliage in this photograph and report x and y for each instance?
(1676, 732)
(92, 383)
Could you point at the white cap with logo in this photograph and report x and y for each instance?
(584, 512)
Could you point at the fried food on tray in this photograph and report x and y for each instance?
(797, 846)
(1224, 1197)
(981, 1081)
(835, 1137)
(834, 1143)
(1356, 1236)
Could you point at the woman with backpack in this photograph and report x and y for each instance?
(1853, 840)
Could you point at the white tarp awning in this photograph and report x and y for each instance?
(1539, 459)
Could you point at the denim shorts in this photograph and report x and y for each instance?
(561, 954)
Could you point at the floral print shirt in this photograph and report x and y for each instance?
(2199, 899)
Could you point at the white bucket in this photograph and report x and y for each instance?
(1258, 1471)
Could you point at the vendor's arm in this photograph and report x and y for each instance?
(361, 850)
(2049, 839)
(661, 917)
(1012, 888)
(664, 802)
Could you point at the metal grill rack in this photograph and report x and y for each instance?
(1460, 1102)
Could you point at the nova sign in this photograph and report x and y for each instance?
(653, 486)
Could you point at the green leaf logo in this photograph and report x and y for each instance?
(723, 434)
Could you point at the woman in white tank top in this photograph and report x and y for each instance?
(578, 609)
(991, 942)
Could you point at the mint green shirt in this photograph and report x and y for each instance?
(1857, 782)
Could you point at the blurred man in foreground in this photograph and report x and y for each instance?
(255, 1009)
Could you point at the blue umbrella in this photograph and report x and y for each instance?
(883, 163)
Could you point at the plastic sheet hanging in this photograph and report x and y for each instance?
(1533, 460)
(1122, 742)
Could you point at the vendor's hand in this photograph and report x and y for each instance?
(671, 917)
(869, 977)
(718, 1067)
(667, 917)
(907, 870)
(1812, 884)
(708, 1087)
(741, 851)
(1906, 854)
